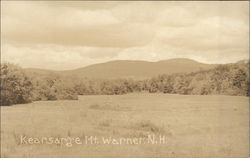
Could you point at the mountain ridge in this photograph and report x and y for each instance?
(136, 69)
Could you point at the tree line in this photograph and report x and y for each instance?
(230, 79)
(18, 86)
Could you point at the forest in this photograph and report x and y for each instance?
(18, 86)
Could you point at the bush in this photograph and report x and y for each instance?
(52, 88)
(16, 87)
(67, 94)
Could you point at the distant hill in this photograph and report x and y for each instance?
(131, 69)
(139, 69)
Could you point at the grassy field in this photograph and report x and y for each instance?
(194, 126)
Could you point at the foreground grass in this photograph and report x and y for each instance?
(195, 126)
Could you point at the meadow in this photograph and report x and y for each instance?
(195, 126)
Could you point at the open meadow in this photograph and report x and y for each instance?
(192, 126)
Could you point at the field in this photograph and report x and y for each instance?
(193, 126)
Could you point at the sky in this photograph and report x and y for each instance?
(64, 35)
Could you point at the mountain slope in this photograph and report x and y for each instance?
(138, 69)
(128, 69)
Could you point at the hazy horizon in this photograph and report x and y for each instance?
(68, 35)
(124, 60)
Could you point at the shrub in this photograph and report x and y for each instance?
(16, 87)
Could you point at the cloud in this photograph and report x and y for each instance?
(182, 17)
(67, 35)
(69, 27)
(214, 33)
(55, 56)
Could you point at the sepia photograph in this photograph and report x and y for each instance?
(124, 79)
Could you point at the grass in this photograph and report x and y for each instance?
(108, 106)
(194, 126)
(106, 123)
(147, 125)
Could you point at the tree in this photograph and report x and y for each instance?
(16, 87)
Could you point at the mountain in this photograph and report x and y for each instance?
(130, 69)
(138, 69)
